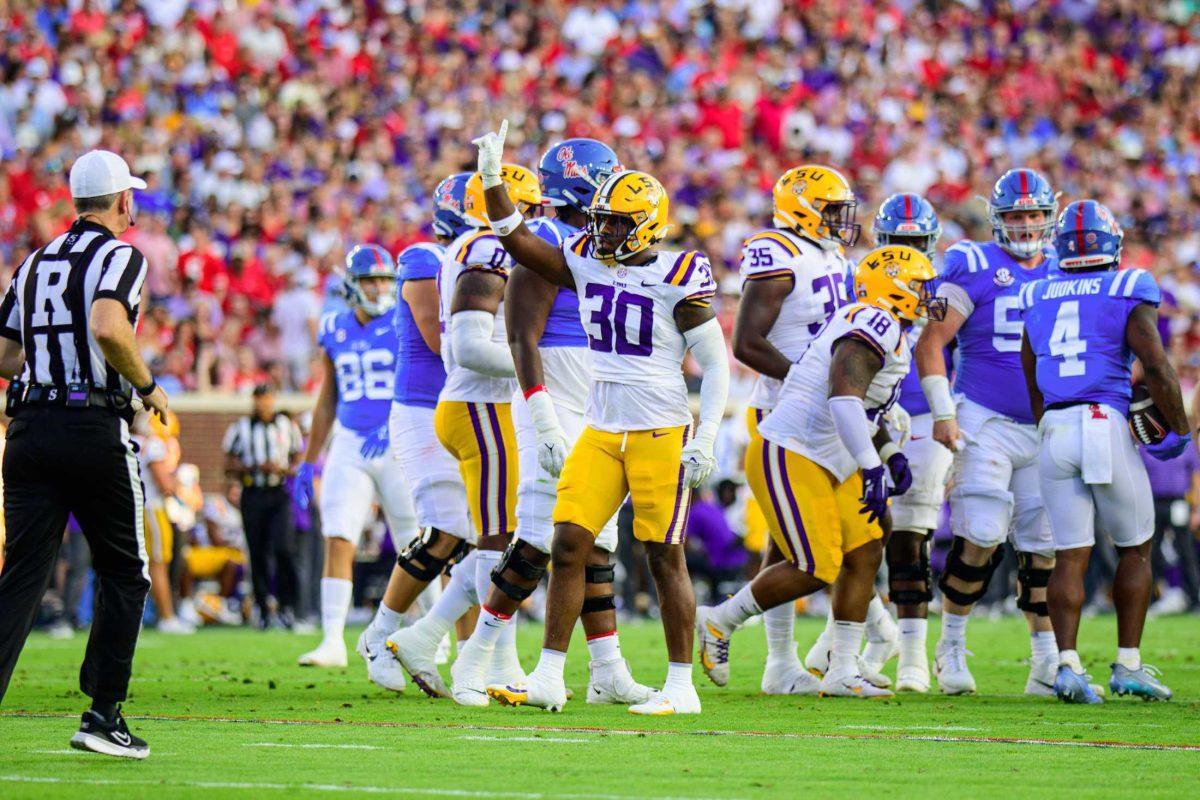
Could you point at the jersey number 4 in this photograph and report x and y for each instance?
(1065, 342)
(611, 321)
(368, 375)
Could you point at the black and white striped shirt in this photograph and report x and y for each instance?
(48, 304)
(255, 443)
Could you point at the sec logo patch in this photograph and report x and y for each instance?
(1003, 277)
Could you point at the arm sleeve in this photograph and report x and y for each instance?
(850, 420)
(471, 338)
(707, 344)
(122, 277)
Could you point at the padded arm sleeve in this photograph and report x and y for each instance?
(850, 419)
(471, 338)
(707, 344)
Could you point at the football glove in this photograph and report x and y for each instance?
(305, 474)
(375, 444)
(552, 445)
(875, 492)
(902, 478)
(1171, 446)
(491, 151)
(697, 456)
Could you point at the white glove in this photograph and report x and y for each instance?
(552, 443)
(491, 151)
(697, 456)
(899, 422)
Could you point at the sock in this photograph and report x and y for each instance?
(508, 636)
(105, 709)
(457, 596)
(485, 562)
(604, 647)
(679, 676)
(913, 633)
(386, 620)
(847, 641)
(335, 604)
(551, 664)
(954, 628)
(730, 615)
(828, 632)
(1129, 657)
(1042, 645)
(879, 621)
(780, 623)
(490, 626)
(1070, 658)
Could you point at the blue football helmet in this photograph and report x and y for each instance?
(907, 219)
(1022, 190)
(572, 170)
(1087, 236)
(448, 221)
(370, 261)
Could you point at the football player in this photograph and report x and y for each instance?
(473, 418)
(827, 470)
(643, 310)
(1082, 332)
(158, 460)
(358, 352)
(439, 496)
(550, 350)
(991, 427)
(909, 219)
(794, 278)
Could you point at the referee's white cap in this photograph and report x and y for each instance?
(100, 172)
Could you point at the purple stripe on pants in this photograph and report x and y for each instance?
(678, 496)
(483, 470)
(775, 500)
(787, 485)
(502, 496)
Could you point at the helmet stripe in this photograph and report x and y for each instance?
(1079, 228)
(908, 209)
(1024, 176)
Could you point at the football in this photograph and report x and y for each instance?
(1146, 422)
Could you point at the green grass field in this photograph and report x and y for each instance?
(228, 714)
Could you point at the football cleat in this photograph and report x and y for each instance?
(468, 686)
(505, 667)
(110, 738)
(788, 677)
(912, 678)
(330, 653)
(382, 669)
(1142, 682)
(668, 701)
(816, 660)
(843, 683)
(416, 654)
(873, 676)
(534, 691)
(714, 647)
(1072, 687)
(883, 644)
(1042, 673)
(611, 682)
(175, 626)
(950, 668)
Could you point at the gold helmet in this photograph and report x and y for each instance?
(523, 189)
(164, 430)
(640, 198)
(816, 201)
(896, 278)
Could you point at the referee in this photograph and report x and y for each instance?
(67, 324)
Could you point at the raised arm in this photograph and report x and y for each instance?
(1029, 365)
(756, 314)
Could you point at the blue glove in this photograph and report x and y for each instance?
(375, 444)
(1170, 447)
(304, 484)
(875, 492)
(897, 465)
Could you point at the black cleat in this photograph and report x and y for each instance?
(112, 738)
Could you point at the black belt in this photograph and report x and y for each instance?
(42, 395)
(1067, 404)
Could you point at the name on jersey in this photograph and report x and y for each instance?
(1062, 288)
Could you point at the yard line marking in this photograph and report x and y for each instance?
(302, 746)
(332, 787)
(524, 739)
(909, 728)
(585, 729)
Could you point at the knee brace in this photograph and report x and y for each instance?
(417, 561)
(899, 573)
(517, 559)
(956, 568)
(603, 574)
(1030, 577)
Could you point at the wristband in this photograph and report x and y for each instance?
(937, 393)
(887, 451)
(489, 180)
(148, 389)
(541, 387)
(503, 227)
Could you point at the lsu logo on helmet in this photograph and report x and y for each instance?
(896, 278)
(640, 201)
(816, 201)
(521, 184)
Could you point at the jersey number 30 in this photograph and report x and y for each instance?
(611, 320)
(368, 375)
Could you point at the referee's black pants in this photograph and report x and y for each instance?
(267, 520)
(59, 461)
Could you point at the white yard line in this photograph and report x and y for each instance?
(908, 728)
(525, 739)
(303, 746)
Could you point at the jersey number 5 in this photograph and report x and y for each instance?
(614, 312)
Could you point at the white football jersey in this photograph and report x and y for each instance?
(801, 421)
(152, 449)
(637, 348)
(480, 250)
(819, 277)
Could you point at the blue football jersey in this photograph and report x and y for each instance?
(1076, 327)
(989, 342)
(364, 358)
(420, 373)
(563, 328)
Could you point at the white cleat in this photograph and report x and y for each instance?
(789, 677)
(950, 668)
(1042, 674)
(714, 648)
(175, 626)
(443, 651)
(668, 701)
(534, 691)
(468, 686)
(883, 644)
(912, 678)
(845, 683)
(817, 659)
(330, 653)
(611, 683)
(505, 666)
(872, 675)
(416, 654)
(382, 669)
